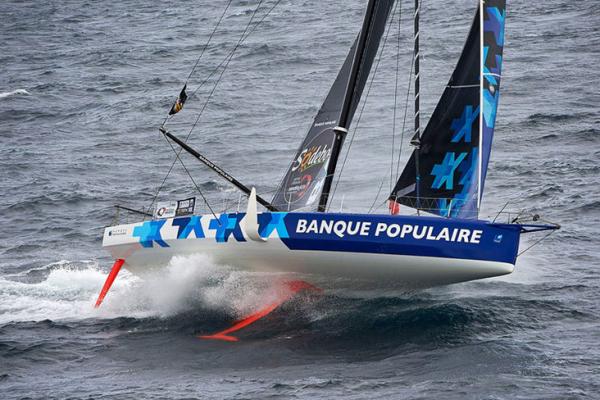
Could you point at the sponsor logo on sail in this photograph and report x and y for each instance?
(300, 185)
(310, 157)
(304, 178)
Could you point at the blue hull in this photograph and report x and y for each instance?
(413, 251)
(402, 235)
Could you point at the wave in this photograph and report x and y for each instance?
(14, 93)
(590, 207)
(575, 137)
(539, 118)
(193, 295)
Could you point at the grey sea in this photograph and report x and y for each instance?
(84, 86)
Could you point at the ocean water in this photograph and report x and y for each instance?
(84, 86)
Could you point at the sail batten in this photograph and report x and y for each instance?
(456, 144)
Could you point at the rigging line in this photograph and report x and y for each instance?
(397, 80)
(394, 115)
(242, 40)
(209, 40)
(376, 196)
(193, 181)
(225, 64)
(231, 54)
(404, 119)
(165, 178)
(537, 242)
(396, 100)
(227, 60)
(362, 108)
(203, 51)
(380, 205)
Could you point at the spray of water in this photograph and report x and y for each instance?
(67, 291)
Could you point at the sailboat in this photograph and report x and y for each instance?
(442, 242)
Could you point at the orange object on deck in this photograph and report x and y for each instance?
(394, 207)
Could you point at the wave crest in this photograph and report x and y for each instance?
(14, 93)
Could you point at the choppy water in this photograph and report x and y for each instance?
(82, 89)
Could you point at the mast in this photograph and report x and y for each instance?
(416, 140)
(481, 68)
(344, 121)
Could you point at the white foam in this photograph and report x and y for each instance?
(14, 93)
(68, 292)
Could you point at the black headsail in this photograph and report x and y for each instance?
(456, 144)
(307, 182)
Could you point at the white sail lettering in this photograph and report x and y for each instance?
(298, 161)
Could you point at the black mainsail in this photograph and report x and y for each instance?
(456, 144)
(307, 181)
